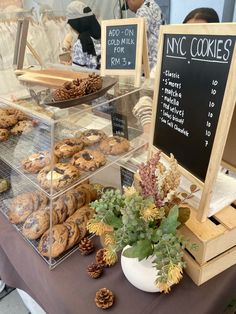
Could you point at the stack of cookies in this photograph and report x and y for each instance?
(73, 155)
(14, 122)
(70, 214)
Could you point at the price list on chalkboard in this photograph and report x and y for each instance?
(121, 46)
(194, 74)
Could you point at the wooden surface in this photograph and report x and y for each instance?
(48, 77)
(201, 274)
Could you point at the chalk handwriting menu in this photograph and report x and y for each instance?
(194, 73)
(121, 46)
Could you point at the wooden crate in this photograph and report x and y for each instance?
(216, 244)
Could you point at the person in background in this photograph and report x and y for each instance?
(149, 10)
(202, 15)
(143, 109)
(86, 51)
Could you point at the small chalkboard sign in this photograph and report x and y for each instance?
(123, 43)
(121, 47)
(126, 178)
(119, 124)
(195, 97)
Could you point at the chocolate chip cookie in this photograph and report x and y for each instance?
(92, 136)
(88, 160)
(4, 134)
(114, 145)
(7, 121)
(36, 224)
(68, 147)
(73, 234)
(22, 127)
(58, 242)
(60, 208)
(37, 161)
(40, 200)
(81, 220)
(21, 207)
(59, 177)
(70, 201)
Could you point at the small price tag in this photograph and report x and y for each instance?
(126, 178)
(119, 124)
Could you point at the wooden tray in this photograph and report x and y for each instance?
(108, 82)
(51, 78)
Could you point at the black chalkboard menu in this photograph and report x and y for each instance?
(126, 178)
(121, 41)
(193, 77)
(119, 124)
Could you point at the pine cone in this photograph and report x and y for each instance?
(76, 82)
(104, 298)
(95, 270)
(81, 90)
(86, 246)
(61, 94)
(100, 259)
(94, 83)
(73, 92)
(68, 85)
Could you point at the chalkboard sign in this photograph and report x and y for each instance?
(119, 124)
(126, 178)
(194, 73)
(194, 100)
(124, 48)
(121, 47)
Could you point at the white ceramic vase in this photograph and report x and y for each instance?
(140, 274)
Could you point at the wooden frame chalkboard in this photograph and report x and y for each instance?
(124, 48)
(194, 99)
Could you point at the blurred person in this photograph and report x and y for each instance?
(143, 109)
(202, 15)
(149, 10)
(86, 50)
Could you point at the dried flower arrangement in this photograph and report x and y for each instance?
(146, 218)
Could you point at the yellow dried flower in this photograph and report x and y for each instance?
(168, 179)
(175, 273)
(163, 286)
(151, 213)
(110, 256)
(109, 239)
(128, 191)
(98, 227)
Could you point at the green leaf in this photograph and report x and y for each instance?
(193, 188)
(156, 235)
(184, 214)
(112, 220)
(142, 249)
(170, 223)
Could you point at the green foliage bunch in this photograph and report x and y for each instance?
(147, 224)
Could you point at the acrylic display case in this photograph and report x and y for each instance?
(51, 181)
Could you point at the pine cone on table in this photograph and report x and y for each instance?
(100, 258)
(86, 246)
(61, 94)
(95, 270)
(104, 298)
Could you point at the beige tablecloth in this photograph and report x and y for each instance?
(69, 290)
